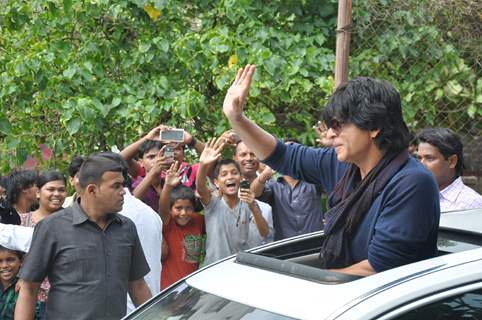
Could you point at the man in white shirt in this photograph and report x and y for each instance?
(441, 151)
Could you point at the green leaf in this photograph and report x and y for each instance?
(70, 72)
(5, 126)
(73, 126)
(164, 45)
(67, 6)
(115, 102)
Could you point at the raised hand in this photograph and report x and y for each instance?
(173, 175)
(267, 173)
(323, 139)
(238, 92)
(230, 137)
(247, 196)
(154, 134)
(161, 163)
(212, 151)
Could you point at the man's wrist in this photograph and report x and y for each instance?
(192, 143)
(262, 179)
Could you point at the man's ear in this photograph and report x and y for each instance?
(91, 189)
(452, 160)
(215, 180)
(374, 133)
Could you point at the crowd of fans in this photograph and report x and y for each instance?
(174, 216)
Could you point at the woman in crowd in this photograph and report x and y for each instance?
(51, 195)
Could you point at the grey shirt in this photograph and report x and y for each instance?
(88, 268)
(228, 231)
(296, 210)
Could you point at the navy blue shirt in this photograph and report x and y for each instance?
(402, 223)
(296, 210)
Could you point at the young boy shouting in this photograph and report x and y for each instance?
(10, 262)
(233, 219)
(183, 229)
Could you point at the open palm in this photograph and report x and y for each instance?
(212, 151)
(173, 175)
(238, 92)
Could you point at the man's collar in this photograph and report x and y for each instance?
(452, 191)
(79, 216)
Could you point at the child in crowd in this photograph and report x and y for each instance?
(183, 229)
(10, 262)
(152, 159)
(234, 222)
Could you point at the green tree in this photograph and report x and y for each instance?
(83, 76)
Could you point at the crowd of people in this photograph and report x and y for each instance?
(140, 220)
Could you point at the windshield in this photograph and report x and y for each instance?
(185, 302)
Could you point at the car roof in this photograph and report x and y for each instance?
(306, 299)
(465, 220)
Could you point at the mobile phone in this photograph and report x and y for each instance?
(244, 184)
(169, 152)
(175, 135)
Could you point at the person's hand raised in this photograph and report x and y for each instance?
(154, 134)
(322, 131)
(238, 92)
(212, 151)
(230, 137)
(173, 175)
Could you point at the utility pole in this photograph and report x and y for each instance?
(342, 41)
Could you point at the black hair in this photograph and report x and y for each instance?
(75, 165)
(4, 182)
(18, 181)
(19, 254)
(8, 214)
(236, 146)
(370, 104)
(181, 192)
(447, 143)
(224, 162)
(121, 161)
(94, 168)
(147, 145)
(413, 139)
(48, 176)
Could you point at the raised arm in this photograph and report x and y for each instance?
(209, 156)
(152, 177)
(129, 152)
(261, 142)
(257, 187)
(246, 195)
(192, 142)
(173, 179)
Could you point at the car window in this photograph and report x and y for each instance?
(185, 302)
(452, 241)
(464, 306)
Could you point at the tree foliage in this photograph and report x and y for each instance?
(82, 76)
(416, 45)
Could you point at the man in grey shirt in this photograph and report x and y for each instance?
(91, 255)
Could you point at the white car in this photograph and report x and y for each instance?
(279, 281)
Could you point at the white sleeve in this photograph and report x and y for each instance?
(15, 237)
(267, 213)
